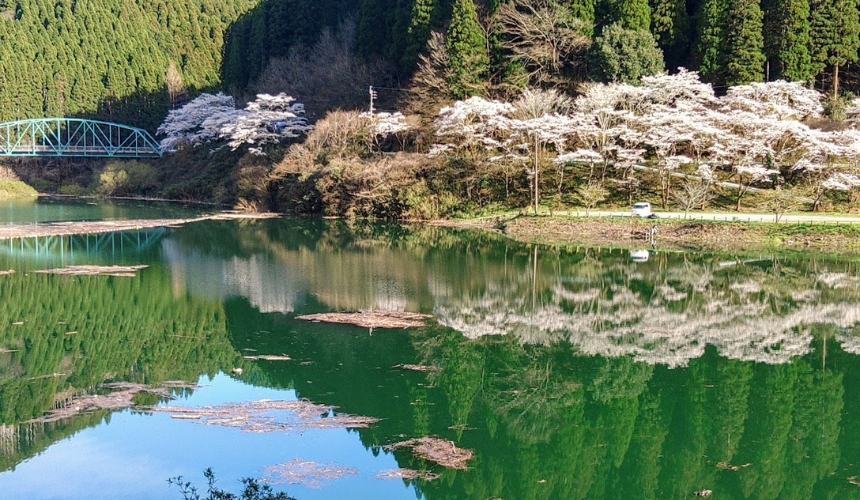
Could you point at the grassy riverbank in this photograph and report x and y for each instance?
(676, 234)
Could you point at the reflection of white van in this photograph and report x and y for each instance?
(639, 255)
(642, 209)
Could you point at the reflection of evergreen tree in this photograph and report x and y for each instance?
(78, 331)
(684, 468)
(640, 472)
(766, 442)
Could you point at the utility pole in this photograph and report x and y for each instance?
(372, 97)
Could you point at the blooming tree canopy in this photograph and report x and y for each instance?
(672, 125)
(185, 124)
(267, 119)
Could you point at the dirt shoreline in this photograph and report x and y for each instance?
(673, 234)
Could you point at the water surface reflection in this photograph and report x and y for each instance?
(572, 372)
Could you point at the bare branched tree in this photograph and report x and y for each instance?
(175, 86)
(692, 193)
(543, 36)
(327, 76)
(534, 103)
(429, 86)
(779, 201)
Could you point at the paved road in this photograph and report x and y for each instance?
(732, 216)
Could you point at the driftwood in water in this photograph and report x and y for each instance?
(371, 319)
(408, 474)
(267, 357)
(120, 271)
(85, 227)
(418, 368)
(438, 450)
(117, 395)
(269, 416)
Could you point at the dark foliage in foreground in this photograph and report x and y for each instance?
(251, 490)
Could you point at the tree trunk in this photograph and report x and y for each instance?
(740, 195)
(537, 175)
(835, 80)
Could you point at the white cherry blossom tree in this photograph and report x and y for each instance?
(185, 124)
(209, 117)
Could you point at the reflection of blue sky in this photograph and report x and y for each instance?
(132, 456)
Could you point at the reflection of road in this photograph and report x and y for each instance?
(728, 216)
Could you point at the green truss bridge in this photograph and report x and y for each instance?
(75, 137)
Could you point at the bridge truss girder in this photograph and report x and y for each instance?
(75, 137)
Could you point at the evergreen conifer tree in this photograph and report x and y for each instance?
(669, 25)
(834, 29)
(419, 29)
(744, 43)
(710, 49)
(786, 40)
(467, 51)
(629, 14)
(581, 9)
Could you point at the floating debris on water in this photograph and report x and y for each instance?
(437, 450)
(728, 466)
(268, 357)
(269, 415)
(119, 271)
(120, 396)
(306, 472)
(8, 231)
(418, 368)
(371, 319)
(408, 474)
(235, 214)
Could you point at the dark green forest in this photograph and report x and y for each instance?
(131, 61)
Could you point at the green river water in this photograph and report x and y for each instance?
(570, 372)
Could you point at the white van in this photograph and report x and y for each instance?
(642, 209)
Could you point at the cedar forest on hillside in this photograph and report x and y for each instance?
(133, 62)
(110, 58)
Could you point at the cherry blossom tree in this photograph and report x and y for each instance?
(209, 117)
(779, 99)
(692, 193)
(831, 163)
(473, 126)
(384, 125)
(185, 124)
(540, 123)
(265, 120)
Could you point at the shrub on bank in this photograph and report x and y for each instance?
(15, 190)
(122, 178)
